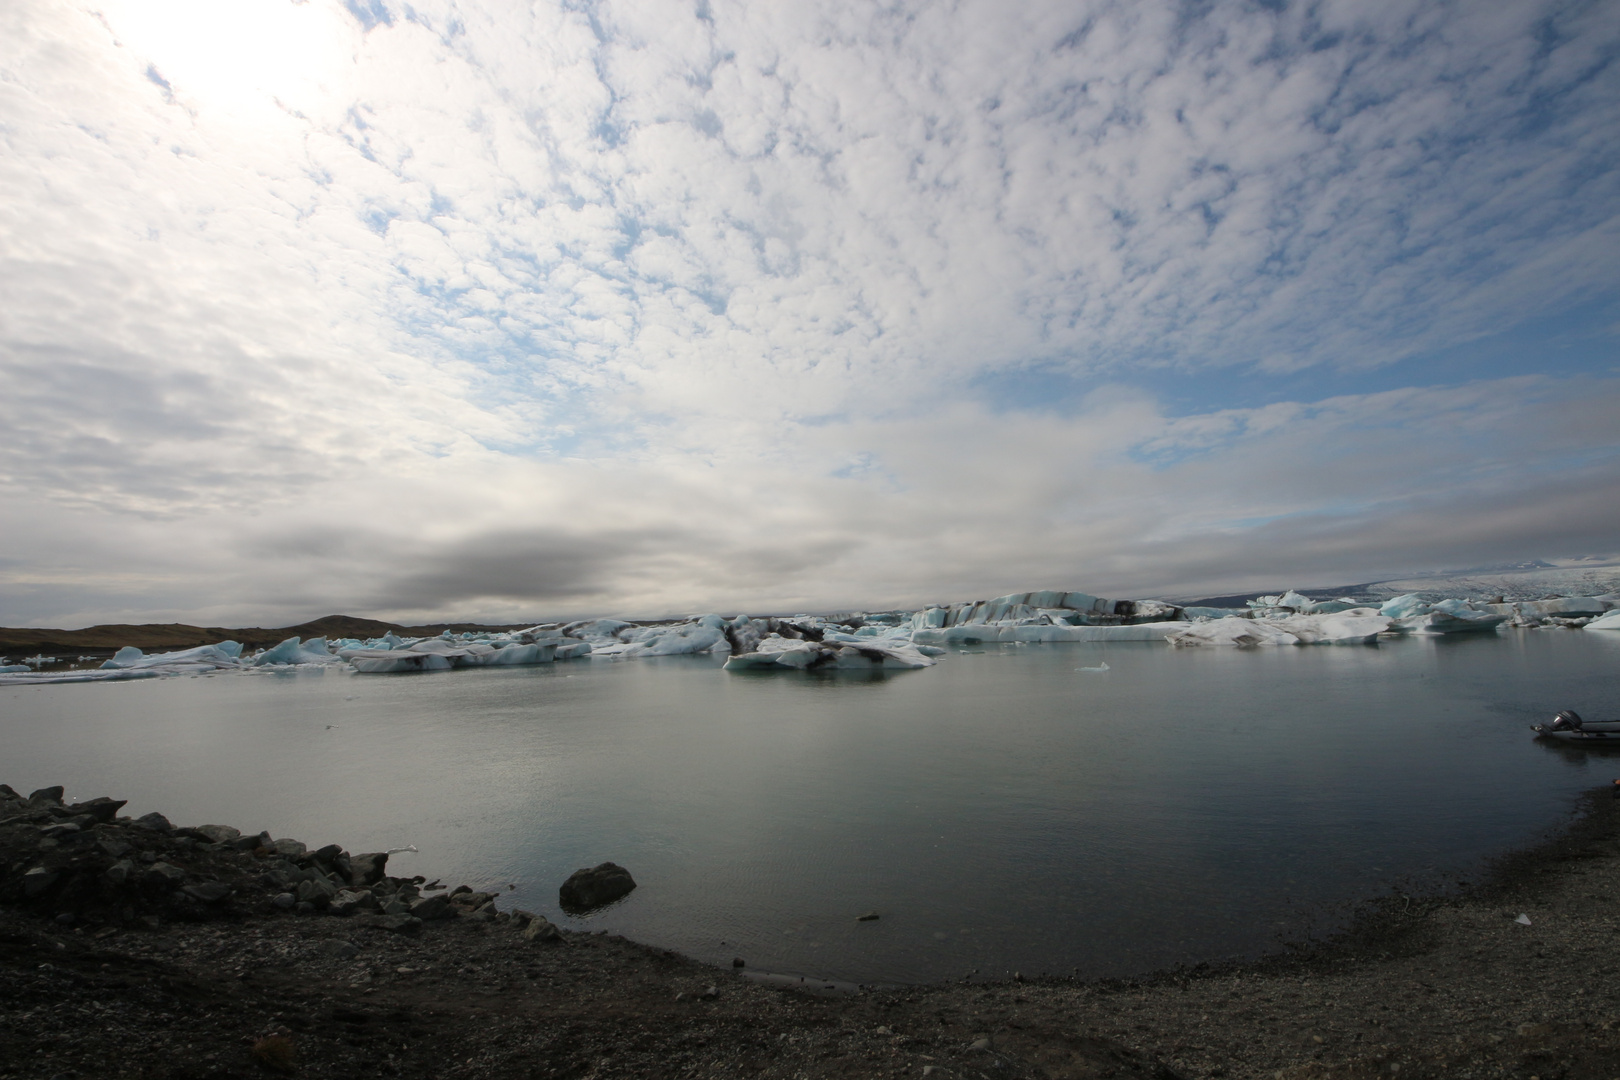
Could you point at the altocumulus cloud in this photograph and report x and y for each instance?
(460, 310)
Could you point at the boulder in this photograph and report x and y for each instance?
(39, 880)
(289, 849)
(100, 809)
(432, 907)
(368, 868)
(162, 875)
(209, 892)
(119, 873)
(47, 795)
(155, 822)
(591, 888)
(350, 900)
(540, 928)
(217, 834)
(316, 892)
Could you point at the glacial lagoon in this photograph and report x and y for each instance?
(1006, 810)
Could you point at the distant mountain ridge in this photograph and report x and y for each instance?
(164, 636)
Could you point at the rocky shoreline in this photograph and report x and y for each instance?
(132, 948)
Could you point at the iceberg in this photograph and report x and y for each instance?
(1358, 626)
(224, 654)
(1449, 617)
(440, 654)
(1401, 607)
(777, 653)
(1032, 633)
(292, 651)
(1611, 621)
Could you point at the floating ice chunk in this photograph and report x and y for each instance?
(1333, 629)
(971, 634)
(1100, 668)
(1212, 612)
(442, 654)
(572, 650)
(11, 669)
(777, 653)
(1239, 632)
(1533, 611)
(1403, 606)
(1611, 621)
(225, 654)
(292, 651)
(1459, 621)
(30, 677)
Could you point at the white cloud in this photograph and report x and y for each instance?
(692, 300)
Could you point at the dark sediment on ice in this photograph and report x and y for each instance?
(128, 948)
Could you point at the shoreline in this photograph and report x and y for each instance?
(1443, 985)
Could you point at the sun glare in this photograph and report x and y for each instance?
(238, 56)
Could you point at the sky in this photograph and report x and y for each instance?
(501, 311)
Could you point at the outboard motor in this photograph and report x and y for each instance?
(1567, 720)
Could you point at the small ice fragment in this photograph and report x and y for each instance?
(1100, 667)
(1523, 919)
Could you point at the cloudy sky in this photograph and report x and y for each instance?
(505, 311)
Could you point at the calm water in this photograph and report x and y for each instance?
(1002, 811)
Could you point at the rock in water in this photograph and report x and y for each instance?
(587, 889)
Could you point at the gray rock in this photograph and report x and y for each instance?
(342, 950)
(101, 809)
(59, 830)
(218, 834)
(396, 906)
(317, 892)
(304, 907)
(284, 901)
(870, 916)
(432, 907)
(47, 795)
(540, 928)
(39, 880)
(162, 875)
(588, 889)
(367, 869)
(351, 900)
(288, 849)
(209, 892)
(116, 848)
(250, 843)
(154, 821)
(119, 873)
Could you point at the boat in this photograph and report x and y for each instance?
(1568, 727)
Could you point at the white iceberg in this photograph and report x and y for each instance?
(224, 654)
(1611, 621)
(293, 651)
(1359, 626)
